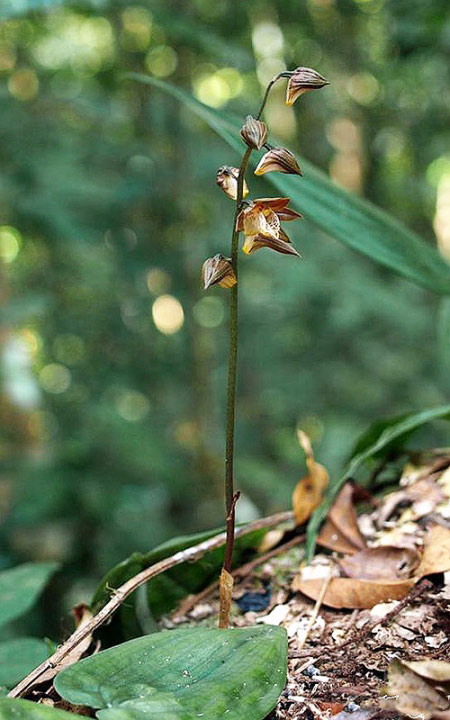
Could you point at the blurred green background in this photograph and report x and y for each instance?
(113, 360)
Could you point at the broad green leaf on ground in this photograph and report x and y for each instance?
(355, 222)
(26, 710)
(20, 587)
(18, 657)
(183, 675)
(166, 590)
(380, 436)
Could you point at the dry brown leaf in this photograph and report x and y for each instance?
(354, 593)
(436, 670)
(309, 491)
(381, 562)
(226, 597)
(411, 694)
(332, 538)
(436, 552)
(340, 531)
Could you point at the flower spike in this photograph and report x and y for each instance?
(303, 80)
(218, 271)
(278, 160)
(254, 132)
(227, 180)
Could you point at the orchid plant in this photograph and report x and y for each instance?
(260, 222)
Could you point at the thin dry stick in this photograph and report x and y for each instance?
(188, 555)
(317, 607)
(240, 572)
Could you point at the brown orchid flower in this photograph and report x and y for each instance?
(227, 180)
(218, 271)
(303, 80)
(256, 242)
(261, 223)
(278, 160)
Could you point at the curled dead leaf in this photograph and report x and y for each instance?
(354, 593)
(436, 670)
(309, 491)
(412, 694)
(436, 552)
(226, 597)
(341, 532)
(381, 562)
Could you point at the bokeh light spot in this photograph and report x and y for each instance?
(137, 29)
(162, 61)
(168, 314)
(132, 405)
(213, 90)
(208, 312)
(9, 243)
(158, 281)
(363, 87)
(267, 39)
(23, 84)
(55, 378)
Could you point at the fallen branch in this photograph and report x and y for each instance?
(240, 572)
(120, 594)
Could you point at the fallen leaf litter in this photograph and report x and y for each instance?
(357, 661)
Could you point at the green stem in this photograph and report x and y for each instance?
(230, 496)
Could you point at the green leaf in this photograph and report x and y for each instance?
(183, 675)
(355, 222)
(18, 657)
(381, 436)
(20, 587)
(165, 591)
(26, 710)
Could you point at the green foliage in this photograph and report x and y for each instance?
(165, 591)
(183, 674)
(27, 710)
(20, 588)
(109, 191)
(380, 438)
(18, 657)
(349, 219)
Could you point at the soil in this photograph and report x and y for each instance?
(338, 667)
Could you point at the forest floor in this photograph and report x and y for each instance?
(376, 598)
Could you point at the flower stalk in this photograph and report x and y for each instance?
(260, 220)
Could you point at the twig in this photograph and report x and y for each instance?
(413, 594)
(240, 572)
(317, 607)
(120, 594)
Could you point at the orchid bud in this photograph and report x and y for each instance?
(278, 160)
(227, 180)
(254, 132)
(218, 271)
(303, 80)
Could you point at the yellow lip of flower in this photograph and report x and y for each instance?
(218, 271)
(278, 160)
(281, 245)
(227, 180)
(303, 80)
(260, 220)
